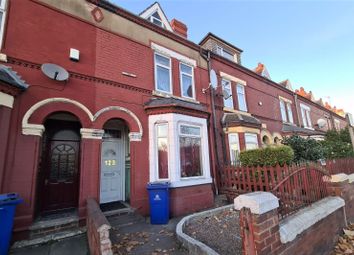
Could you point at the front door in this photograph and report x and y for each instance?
(61, 176)
(112, 170)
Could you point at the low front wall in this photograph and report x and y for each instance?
(319, 238)
(191, 199)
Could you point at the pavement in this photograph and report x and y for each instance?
(74, 245)
(133, 234)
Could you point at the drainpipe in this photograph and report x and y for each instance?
(212, 99)
(297, 109)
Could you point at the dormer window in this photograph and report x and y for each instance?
(156, 19)
(224, 53)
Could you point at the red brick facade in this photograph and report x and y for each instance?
(114, 79)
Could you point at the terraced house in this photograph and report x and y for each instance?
(142, 103)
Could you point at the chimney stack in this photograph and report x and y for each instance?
(179, 28)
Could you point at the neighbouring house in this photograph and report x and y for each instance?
(137, 107)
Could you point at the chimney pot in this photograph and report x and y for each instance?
(179, 28)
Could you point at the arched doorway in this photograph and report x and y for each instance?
(60, 163)
(115, 163)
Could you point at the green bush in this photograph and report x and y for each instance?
(305, 149)
(337, 144)
(269, 156)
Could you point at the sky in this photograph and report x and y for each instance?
(311, 43)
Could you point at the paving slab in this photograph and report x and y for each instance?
(74, 245)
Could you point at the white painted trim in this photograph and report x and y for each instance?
(122, 109)
(151, 10)
(90, 133)
(36, 129)
(167, 52)
(3, 9)
(294, 225)
(6, 100)
(174, 120)
(233, 78)
(285, 99)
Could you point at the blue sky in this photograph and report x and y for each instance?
(309, 42)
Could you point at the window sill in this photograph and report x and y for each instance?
(192, 181)
(289, 123)
(167, 95)
(3, 57)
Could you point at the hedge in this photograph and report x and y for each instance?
(269, 156)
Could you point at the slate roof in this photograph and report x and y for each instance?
(287, 128)
(9, 76)
(239, 119)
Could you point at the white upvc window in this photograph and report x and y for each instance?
(190, 148)
(306, 117)
(187, 81)
(226, 85)
(286, 111)
(251, 141)
(234, 147)
(241, 97)
(3, 4)
(187, 158)
(337, 124)
(163, 79)
(224, 53)
(156, 19)
(162, 151)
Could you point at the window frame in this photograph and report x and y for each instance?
(253, 135)
(157, 151)
(231, 98)
(306, 117)
(221, 52)
(166, 67)
(288, 111)
(337, 124)
(237, 162)
(181, 73)
(238, 85)
(3, 10)
(200, 136)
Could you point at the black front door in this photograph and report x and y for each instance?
(60, 166)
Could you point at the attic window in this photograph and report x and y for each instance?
(224, 53)
(156, 19)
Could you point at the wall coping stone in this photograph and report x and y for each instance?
(339, 177)
(351, 178)
(258, 202)
(295, 224)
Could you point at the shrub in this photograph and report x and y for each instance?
(305, 149)
(269, 156)
(337, 144)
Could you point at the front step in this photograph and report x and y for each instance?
(119, 221)
(51, 226)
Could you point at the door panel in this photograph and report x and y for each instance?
(112, 170)
(60, 187)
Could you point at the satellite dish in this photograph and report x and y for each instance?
(213, 78)
(225, 94)
(321, 123)
(55, 72)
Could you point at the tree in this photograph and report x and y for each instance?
(305, 149)
(337, 144)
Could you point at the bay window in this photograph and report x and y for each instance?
(163, 74)
(162, 150)
(178, 149)
(186, 80)
(241, 97)
(251, 141)
(190, 151)
(234, 147)
(226, 85)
